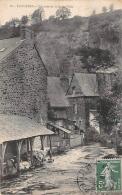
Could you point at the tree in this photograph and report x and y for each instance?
(24, 19)
(95, 58)
(109, 106)
(94, 12)
(111, 8)
(13, 27)
(14, 22)
(104, 9)
(63, 13)
(38, 15)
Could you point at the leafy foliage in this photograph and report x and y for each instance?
(91, 135)
(109, 106)
(38, 15)
(10, 29)
(104, 9)
(63, 13)
(95, 58)
(111, 8)
(24, 19)
(14, 22)
(111, 33)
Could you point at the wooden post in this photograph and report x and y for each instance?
(50, 147)
(27, 141)
(3, 149)
(42, 142)
(19, 145)
(69, 136)
(86, 100)
(31, 149)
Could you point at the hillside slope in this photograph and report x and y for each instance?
(56, 41)
(105, 32)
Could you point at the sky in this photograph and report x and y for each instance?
(17, 8)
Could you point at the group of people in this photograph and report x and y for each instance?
(11, 166)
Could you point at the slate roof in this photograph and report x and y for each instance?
(56, 93)
(8, 45)
(14, 127)
(88, 84)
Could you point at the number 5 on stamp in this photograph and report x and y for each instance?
(108, 175)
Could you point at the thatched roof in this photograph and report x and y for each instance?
(88, 83)
(8, 45)
(56, 93)
(13, 127)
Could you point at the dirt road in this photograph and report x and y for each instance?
(59, 177)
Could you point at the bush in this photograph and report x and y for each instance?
(92, 135)
(104, 139)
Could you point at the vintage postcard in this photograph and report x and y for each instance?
(60, 97)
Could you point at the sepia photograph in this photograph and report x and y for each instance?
(61, 97)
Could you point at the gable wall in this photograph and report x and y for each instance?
(74, 82)
(81, 110)
(23, 83)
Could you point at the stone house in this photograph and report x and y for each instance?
(58, 103)
(83, 95)
(23, 98)
(58, 115)
(23, 78)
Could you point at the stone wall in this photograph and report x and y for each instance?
(80, 115)
(23, 83)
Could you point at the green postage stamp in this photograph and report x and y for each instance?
(108, 175)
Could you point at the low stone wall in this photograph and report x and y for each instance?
(76, 140)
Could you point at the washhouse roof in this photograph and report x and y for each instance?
(14, 127)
